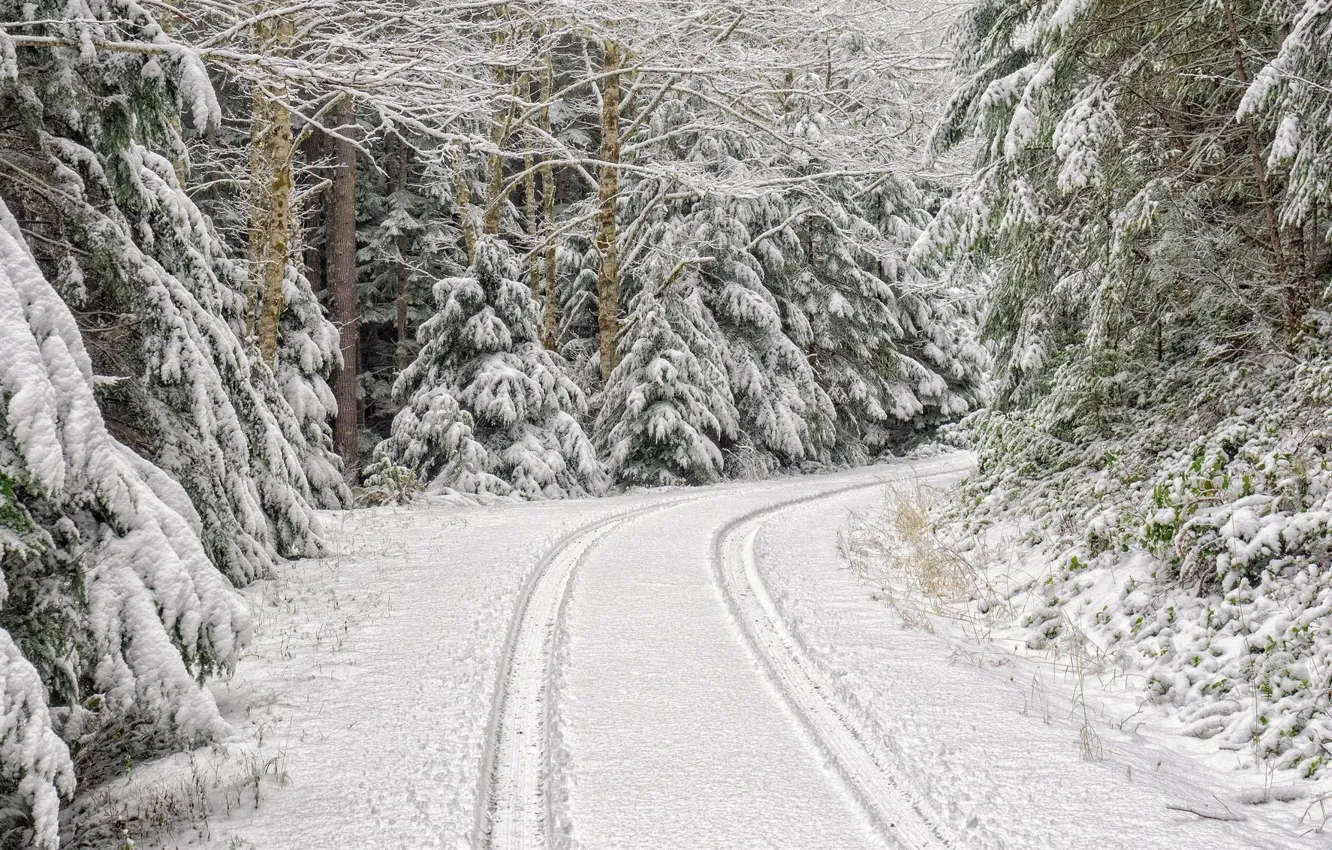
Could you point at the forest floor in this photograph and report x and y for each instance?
(676, 669)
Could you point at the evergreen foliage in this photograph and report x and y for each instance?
(486, 408)
(667, 406)
(576, 292)
(785, 416)
(111, 608)
(835, 347)
(158, 296)
(1150, 205)
(166, 423)
(1141, 276)
(407, 235)
(144, 458)
(307, 355)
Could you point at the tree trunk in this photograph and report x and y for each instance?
(548, 206)
(608, 278)
(270, 191)
(313, 151)
(341, 250)
(404, 246)
(530, 196)
(1279, 267)
(462, 199)
(1299, 291)
(499, 134)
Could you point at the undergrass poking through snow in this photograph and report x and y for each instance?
(900, 551)
(897, 550)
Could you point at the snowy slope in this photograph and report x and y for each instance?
(691, 668)
(991, 740)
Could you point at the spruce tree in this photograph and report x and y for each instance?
(667, 408)
(1291, 100)
(486, 408)
(786, 417)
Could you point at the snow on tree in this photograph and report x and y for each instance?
(881, 332)
(212, 415)
(487, 409)
(407, 242)
(839, 347)
(307, 355)
(1102, 208)
(157, 295)
(667, 408)
(111, 609)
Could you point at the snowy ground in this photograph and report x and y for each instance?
(686, 669)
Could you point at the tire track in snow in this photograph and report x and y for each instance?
(851, 745)
(513, 809)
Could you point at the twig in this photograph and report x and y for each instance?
(1228, 816)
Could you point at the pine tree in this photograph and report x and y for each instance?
(785, 417)
(837, 346)
(1154, 265)
(307, 350)
(886, 339)
(667, 408)
(486, 407)
(893, 348)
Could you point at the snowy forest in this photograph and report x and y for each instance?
(268, 259)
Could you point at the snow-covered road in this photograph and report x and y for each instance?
(672, 669)
(687, 715)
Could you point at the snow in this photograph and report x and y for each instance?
(991, 739)
(634, 711)
(370, 682)
(671, 736)
(29, 747)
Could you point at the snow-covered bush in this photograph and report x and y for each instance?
(487, 409)
(388, 483)
(1216, 521)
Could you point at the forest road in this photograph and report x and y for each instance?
(651, 694)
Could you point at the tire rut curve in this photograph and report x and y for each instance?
(850, 743)
(512, 810)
